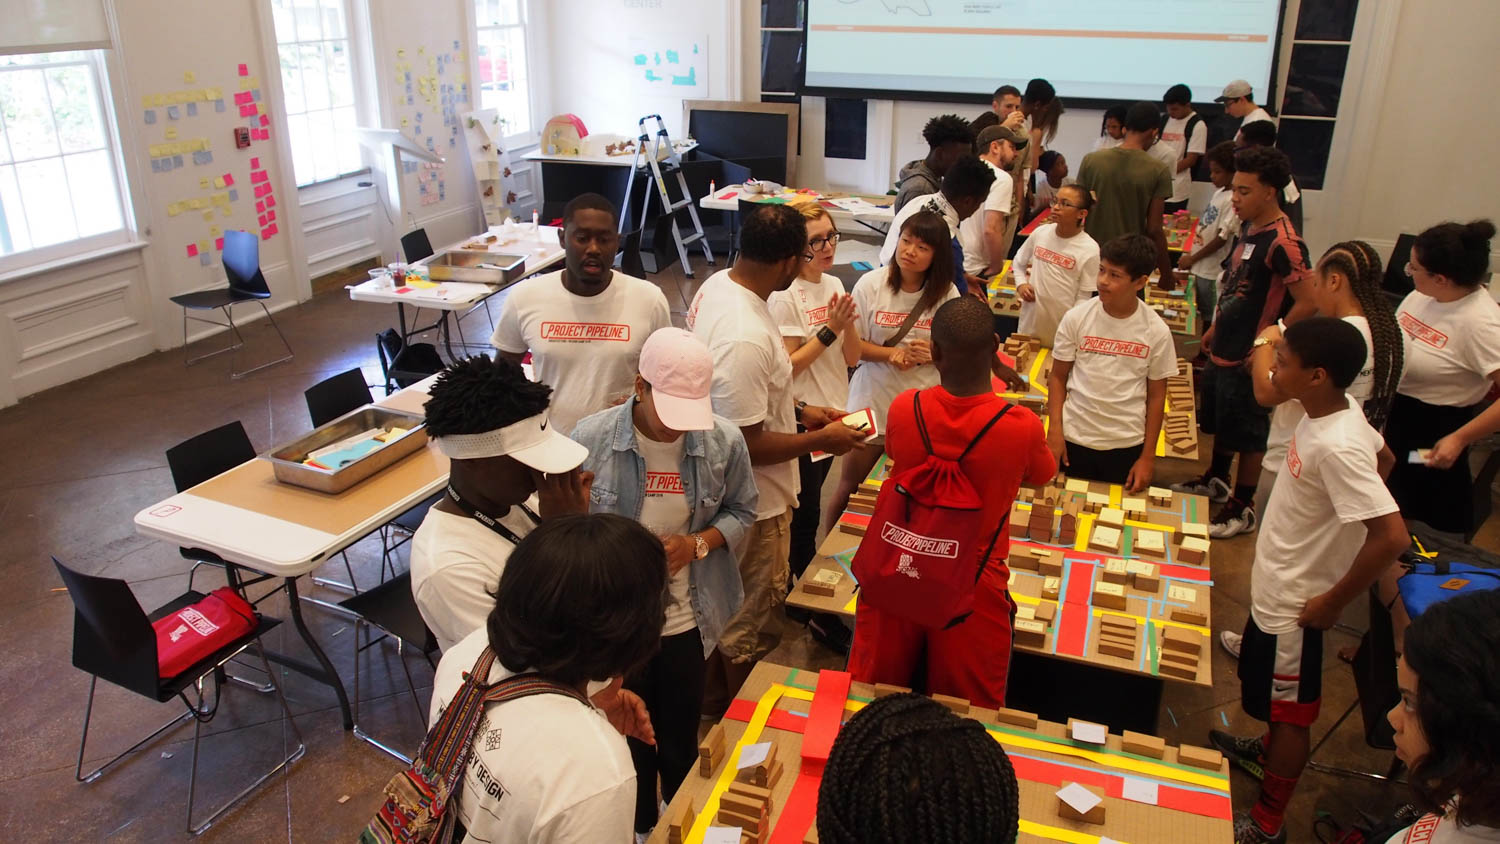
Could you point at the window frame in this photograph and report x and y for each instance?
(356, 95)
(533, 133)
(16, 264)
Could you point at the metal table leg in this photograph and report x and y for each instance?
(447, 335)
(329, 676)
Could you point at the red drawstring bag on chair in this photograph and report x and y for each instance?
(195, 632)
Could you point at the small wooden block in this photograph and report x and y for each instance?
(851, 528)
(1180, 658)
(1146, 583)
(1016, 717)
(1454, 583)
(1051, 587)
(825, 582)
(1199, 757)
(1125, 626)
(1109, 596)
(680, 823)
(1136, 567)
(860, 505)
(1150, 541)
(1019, 519)
(1172, 669)
(711, 750)
(760, 774)
(1067, 529)
(1030, 632)
(1187, 616)
(1093, 816)
(1134, 507)
(1143, 745)
(957, 704)
(1025, 611)
(1115, 571)
(1021, 558)
(1073, 721)
(1187, 529)
(741, 804)
(1193, 550)
(1077, 485)
(1045, 612)
(1182, 641)
(1105, 538)
(1160, 496)
(746, 823)
(752, 791)
(1098, 500)
(1049, 564)
(1113, 516)
(886, 689)
(1109, 645)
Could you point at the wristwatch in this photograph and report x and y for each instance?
(700, 549)
(798, 411)
(1261, 341)
(827, 336)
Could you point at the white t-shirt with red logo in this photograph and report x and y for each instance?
(880, 311)
(1285, 417)
(586, 348)
(1064, 271)
(1444, 829)
(1313, 526)
(1173, 135)
(665, 512)
(800, 311)
(1452, 348)
(1113, 359)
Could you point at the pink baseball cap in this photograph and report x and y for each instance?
(681, 372)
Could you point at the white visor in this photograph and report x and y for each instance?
(531, 441)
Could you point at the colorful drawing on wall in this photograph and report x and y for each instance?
(669, 65)
(429, 90)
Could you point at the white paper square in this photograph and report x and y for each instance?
(1091, 733)
(1079, 798)
(754, 754)
(722, 835)
(1141, 791)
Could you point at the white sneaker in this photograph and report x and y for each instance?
(1214, 489)
(1230, 641)
(1242, 522)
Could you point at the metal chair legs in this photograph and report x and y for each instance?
(238, 340)
(88, 711)
(359, 731)
(1389, 776)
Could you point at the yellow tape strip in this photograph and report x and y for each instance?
(849, 607)
(1148, 525)
(1164, 622)
(1116, 493)
(751, 735)
(1084, 527)
(1052, 833)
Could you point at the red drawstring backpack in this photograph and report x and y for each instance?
(196, 632)
(920, 557)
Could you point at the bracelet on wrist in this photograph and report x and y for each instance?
(826, 336)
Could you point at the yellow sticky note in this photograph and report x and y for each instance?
(401, 53)
(224, 210)
(146, 100)
(214, 231)
(161, 100)
(203, 183)
(203, 246)
(1182, 593)
(220, 198)
(189, 77)
(218, 181)
(171, 133)
(174, 209)
(208, 215)
(405, 123)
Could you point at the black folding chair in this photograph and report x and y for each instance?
(113, 640)
(404, 364)
(246, 284)
(391, 609)
(1375, 682)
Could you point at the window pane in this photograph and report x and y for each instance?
(286, 25)
(49, 213)
(4, 143)
(1326, 20)
(291, 80)
(75, 108)
(91, 178)
(340, 84)
(502, 76)
(1306, 143)
(333, 19)
(1314, 79)
(14, 236)
(306, 12)
(325, 145)
(314, 76)
(302, 142)
(28, 118)
(497, 12)
(348, 150)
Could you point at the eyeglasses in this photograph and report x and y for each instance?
(807, 257)
(1058, 203)
(818, 244)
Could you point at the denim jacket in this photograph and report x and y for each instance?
(717, 482)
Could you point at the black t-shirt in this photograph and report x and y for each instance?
(1253, 294)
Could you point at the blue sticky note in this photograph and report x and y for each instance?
(150, 115)
(219, 104)
(176, 161)
(173, 112)
(205, 258)
(192, 109)
(255, 94)
(156, 165)
(234, 195)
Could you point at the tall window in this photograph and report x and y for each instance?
(504, 79)
(59, 182)
(312, 37)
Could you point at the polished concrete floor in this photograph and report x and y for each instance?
(82, 459)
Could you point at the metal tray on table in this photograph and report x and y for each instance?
(483, 267)
(286, 460)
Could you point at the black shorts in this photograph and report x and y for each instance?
(1174, 207)
(1281, 675)
(1230, 412)
(1442, 498)
(1111, 465)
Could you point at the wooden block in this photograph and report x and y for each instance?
(1067, 529)
(858, 504)
(1050, 588)
(1029, 632)
(1016, 717)
(824, 583)
(1134, 507)
(1045, 612)
(1187, 616)
(1187, 529)
(1113, 647)
(1142, 745)
(1193, 550)
(1150, 541)
(1049, 563)
(812, 835)
(1093, 816)
(680, 823)
(885, 689)
(1073, 721)
(1182, 672)
(1021, 558)
(1119, 623)
(957, 704)
(1025, 611)
(1179, 658)
(742, 804)
(1199, 757)
(851, 528)
(1106, 539)
(1182, 641)
(760, 773)
(1146, 583)
(1109, 596)
(1112, 516)
(1097, 500)
(1115, 571)
(1018, 521)
(746, 823)
(711, 750)
(1160, 496)
(749, 790)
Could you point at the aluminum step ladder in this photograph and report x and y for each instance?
(662, 166)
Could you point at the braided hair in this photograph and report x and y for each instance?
(1360, 263)
(905, 769)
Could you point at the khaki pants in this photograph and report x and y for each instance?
(754, 631)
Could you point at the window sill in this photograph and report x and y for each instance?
(73, 260)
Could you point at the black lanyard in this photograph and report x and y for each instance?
(490, 521)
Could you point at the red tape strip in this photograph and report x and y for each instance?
(1074, 612)
(821, 727)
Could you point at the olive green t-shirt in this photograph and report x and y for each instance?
(1123, 181)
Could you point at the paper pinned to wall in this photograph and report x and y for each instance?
(668, 65)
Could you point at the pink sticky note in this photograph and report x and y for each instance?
(257, 176)
(260, 207)
(243, 97)
(192, 250)
(262, 190)
(247, 110)
(270, 201)
(229, 180)
(254, 162)
(271, 228)
(244, 70)
(271, 215)
(257, 135)
(265, 120)
(219, 244)
(262, 220)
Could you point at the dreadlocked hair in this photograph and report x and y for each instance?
(1360, 263)
(905, 769)
(479, 394)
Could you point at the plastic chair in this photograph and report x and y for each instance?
(415, 245)
(246, 284)
(391, 609)
(404, 364)
(113, 640)
(200, 458)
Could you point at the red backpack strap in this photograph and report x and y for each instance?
(916, 401)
